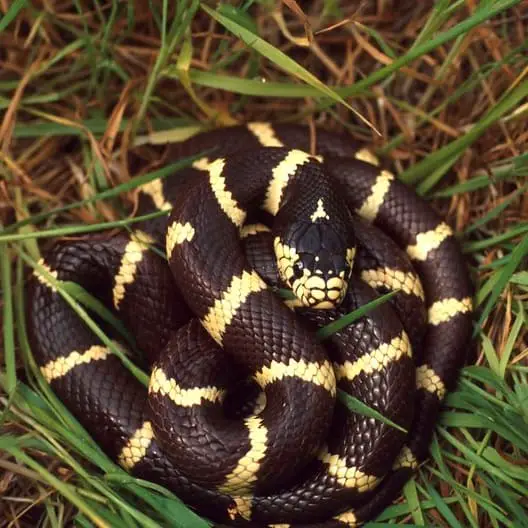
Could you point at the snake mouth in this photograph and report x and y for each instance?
(320, 287)
(314, 291)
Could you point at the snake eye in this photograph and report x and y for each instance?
(298, 269)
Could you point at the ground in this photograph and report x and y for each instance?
(439, 89)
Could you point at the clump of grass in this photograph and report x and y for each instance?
(443, 87)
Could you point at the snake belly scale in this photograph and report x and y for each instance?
(241, 418)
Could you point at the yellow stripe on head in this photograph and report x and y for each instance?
(134, 250)
(161, 384)
(428, 241)
(371, 206)
(321, 374)
(243, 477)
(154, 189)
(428, 379)
(348, 476)
(444, 310)
(136, 447)
(61, 366)
(177, 234)
(280, 177)
(376, 360)
(224, 309)
(265, 134)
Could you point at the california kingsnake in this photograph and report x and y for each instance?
(338, 468)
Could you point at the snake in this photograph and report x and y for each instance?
(264, 240)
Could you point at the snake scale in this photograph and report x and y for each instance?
(244, 417)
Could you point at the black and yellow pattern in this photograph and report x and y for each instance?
(220, 324)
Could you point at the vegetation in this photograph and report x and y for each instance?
(439, 89)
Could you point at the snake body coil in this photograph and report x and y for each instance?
(241, 418)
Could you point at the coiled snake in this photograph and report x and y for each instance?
(241, 418)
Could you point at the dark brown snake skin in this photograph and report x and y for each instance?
(303, 458)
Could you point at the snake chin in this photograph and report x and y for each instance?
(318, 280)
(321, 292)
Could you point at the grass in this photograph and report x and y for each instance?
(444, 87)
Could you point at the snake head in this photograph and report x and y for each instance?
(315, 261)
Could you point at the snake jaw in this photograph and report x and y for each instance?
(319, 292)
(317, 289)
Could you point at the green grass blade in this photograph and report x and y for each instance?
(520, 278)
(518, 325)
(511, 502)
(442, 507)
(8, 321)
(185, 10)
(355, 405)
(253, 87)
(326, 331)
(495, 240)
(496, 211)
(478, 17)
(134, 183)
(138, 373)
(448, 155)
(410, 493)
(279, 58)
(62, 487)
(81, 229)
(473, 458)
(77, 292)
(518, 254)
(11, 14)
(508, 171)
